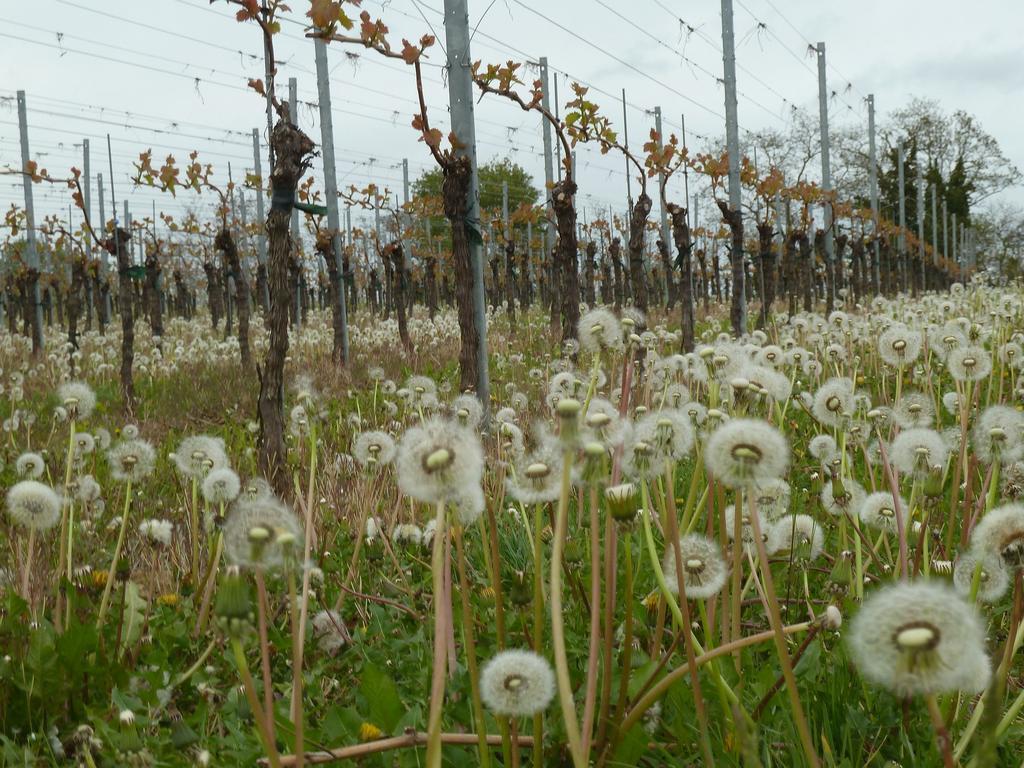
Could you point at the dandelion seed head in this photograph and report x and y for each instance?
(261, 532)
(221, 485)
(438, 460)
(78, 398)
(131, 460)
(969, 363)
(374, 449)
(916, 451)
(517, 683)
(704, 569)
(198, 454)
(599, 330)
(799, 534)
(993, 576)
(30, 465)
(33, 506)
(745, 452)
(920, 638)
(1001, 533)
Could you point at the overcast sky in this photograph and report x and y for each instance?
(170, 75)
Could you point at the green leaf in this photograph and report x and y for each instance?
(383, 703)
(810, 663)
(632, 746)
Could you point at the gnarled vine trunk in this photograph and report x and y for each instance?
(684, 260)
(153, 271)
(637, 226)
(455, 197)
(292, 150)
(120, 249)
(737, 308)
(765, 230)
(396, 253)
(565, 253)
(225, 243)
(615, 251)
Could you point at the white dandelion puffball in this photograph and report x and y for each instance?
(538, 475)
(407, 533)
(261, 532)
(198, 454)
(373, 449)
(899, 345)
(33, 505)
(834, 402)
(970, 363)
(598, 330)
(221, 486)
(30, 465)
(799, 534)
(78, 398)
(920, 638)
(1001, 533)
(517, 683)
(822, 447)
(330, 632)
(878, 510)
(131, 460)
(704, 568)
(157, 531)
(743, 452)
(996, 435)
(914, 409)
(468, 411)
(439, 461)
(916, 451)
(773, 497)
(993, 575)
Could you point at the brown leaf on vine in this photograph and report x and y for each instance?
(257, 85)
(410, 53)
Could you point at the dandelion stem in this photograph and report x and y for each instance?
(589, 698)
(775, 618)
(193, 519)
(538, 620)
(257, 713)
(941, 732)
(261, 623)
(470, 642)
(26, 572)
(565, 694)
(104, 602)
(440, 642)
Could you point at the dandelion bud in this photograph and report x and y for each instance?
(621, 501)
(233, 607)
(573, 552)
(841, 575)
(933, 483)
(521, 592)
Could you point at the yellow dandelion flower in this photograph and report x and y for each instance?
(487, 593)
(99, 578)
(369, 732)
(170, 598)
(651, 601)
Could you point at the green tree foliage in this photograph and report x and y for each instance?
(521, 190)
